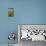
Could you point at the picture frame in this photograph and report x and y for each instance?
(10, 12)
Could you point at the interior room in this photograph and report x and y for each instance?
(14, 13)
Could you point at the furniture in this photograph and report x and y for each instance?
(27, 35)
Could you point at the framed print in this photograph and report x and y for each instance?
(10, 12)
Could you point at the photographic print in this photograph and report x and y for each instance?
(10, 12)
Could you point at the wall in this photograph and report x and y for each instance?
(7, 24)
(26, 12)
(31, 11)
